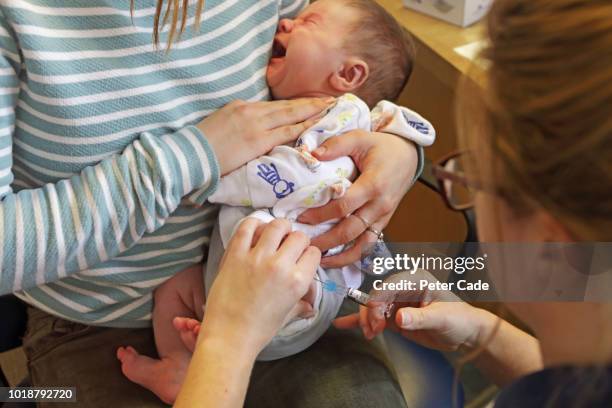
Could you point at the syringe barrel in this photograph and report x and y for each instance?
(358, 296)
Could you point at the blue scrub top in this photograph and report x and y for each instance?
(560, 388)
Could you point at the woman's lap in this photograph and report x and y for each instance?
(341, 369)
(63, 353)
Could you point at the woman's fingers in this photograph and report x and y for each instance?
(282, 113)
(345, 231)
(356, 320)
(347, 145)
(293, 246)
(242, 239)
(424, 318)
(305, 269)
(272, 236)
(352, 254)
(258, 231)
(362, 246)
(364, 323)
(376, 316)
(288, 133)
(356, 196)
(347, 322)
(352, 226)
(308, 262)
(369, 326)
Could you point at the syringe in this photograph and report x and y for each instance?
(355, 295)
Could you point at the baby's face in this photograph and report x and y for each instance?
(308, 49)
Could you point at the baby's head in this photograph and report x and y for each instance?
(339, 46)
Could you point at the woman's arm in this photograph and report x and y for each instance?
(218, 374)
(60, 228)
(500, 350)
(256, 288)
(50, 232)
(505, 352)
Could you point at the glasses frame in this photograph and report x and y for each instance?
(441, 174)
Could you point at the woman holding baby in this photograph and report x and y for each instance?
(109, 148)
(540, 127)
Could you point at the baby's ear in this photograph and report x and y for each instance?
(350, 75)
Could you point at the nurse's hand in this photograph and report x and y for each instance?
(434, 319)
(262, 277)
(242, 131)
(387, 164)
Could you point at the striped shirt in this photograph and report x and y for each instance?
(98, 147)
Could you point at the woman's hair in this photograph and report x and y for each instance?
(173, 11)
(540, 117)
(543, 113)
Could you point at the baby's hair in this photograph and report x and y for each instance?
(387, 49)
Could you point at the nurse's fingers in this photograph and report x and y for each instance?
(243, 237)
(347, 322)
(271, 237)
(293, 246)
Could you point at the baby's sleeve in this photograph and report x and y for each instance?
(388, 117)
(262, 182)
(397, 120)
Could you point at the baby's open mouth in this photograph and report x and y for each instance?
(278, 49)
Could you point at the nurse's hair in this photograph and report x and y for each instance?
(543, 111)
(540, 121)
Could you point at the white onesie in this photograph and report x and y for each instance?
(288, 181)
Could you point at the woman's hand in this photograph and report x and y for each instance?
(434, 319)
(261, 279)
(242, 131)
(387, 164)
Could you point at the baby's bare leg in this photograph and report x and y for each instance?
(182, 295)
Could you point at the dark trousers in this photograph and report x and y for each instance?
(340, 370)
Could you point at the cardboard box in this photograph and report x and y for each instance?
(460, 12)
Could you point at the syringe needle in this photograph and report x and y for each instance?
(332, 286)
(355, 295)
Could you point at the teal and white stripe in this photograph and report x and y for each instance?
(98, 147)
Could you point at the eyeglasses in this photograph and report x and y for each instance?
(456, 189)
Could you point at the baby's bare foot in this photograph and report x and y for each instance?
(162, 377)
(188, 329)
